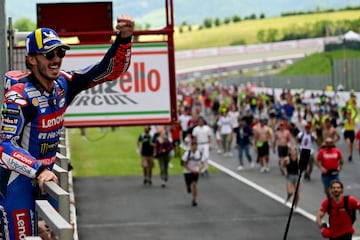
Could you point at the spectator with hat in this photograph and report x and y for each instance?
(307, 139)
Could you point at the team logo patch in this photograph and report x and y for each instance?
(35, 102)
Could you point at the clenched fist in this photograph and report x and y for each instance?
(125, 24)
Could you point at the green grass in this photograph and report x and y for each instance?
(246, 31)
(110, 153)
(322, 61)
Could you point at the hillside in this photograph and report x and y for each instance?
(193, 12)
(246, 31)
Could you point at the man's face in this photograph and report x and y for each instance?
(336, 190)
(47, 66)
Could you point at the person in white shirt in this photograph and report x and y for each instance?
(184, 120)
(234, 115)
(307, 139)
(202, 134)
(226, 130)
(193, 162)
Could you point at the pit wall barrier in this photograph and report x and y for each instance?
(62, 220)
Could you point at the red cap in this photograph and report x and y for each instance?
(308, 125)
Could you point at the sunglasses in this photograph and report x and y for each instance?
(60, 52)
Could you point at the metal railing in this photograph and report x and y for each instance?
(57, 217)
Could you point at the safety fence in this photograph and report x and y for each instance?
(60, 218)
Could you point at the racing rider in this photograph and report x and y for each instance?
(33, 116)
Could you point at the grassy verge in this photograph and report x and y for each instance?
(110, 153)
(322, 61)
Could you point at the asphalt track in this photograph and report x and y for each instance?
(232, 205)
(246, 205)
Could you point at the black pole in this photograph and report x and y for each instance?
(292, 206)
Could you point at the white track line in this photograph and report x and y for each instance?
(264, 191)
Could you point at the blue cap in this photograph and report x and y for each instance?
(43, 40)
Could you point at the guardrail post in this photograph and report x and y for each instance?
(63, 177)
(61, 196)
(62, 161)
(62, 229)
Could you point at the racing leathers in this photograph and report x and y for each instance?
(32, 120)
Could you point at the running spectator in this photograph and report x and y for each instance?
(225, 129)
(193, 162)
(290, 167)
(243, 133)
(282, 141)
(262, 141)
(184, 121)
(330, 131)
(340, 213)
(163, 147)
(146, 148)
(202, 134)
(307, 139)
(330, 161)
(349, 133)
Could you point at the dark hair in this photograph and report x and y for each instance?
(336, 181)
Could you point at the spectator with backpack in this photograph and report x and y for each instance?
(342, 213)
(193, 162)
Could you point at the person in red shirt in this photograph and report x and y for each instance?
(357, 140)
(340, 220)
(329, 160)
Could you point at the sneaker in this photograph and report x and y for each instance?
(145, 182)
(149, 182)
(252, 164)
(219, 151)
(262, 169)
(267, 169)
(194, 203)
(225, 154)
(163, 185)
(230, 154)
(239, 168)
(350, 158)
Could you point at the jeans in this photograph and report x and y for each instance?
(244, 148)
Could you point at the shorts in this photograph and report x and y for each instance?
(349, 134)
(147, 162)
(326, 180)
(190, 178)
(263, 150)
(292, 178)
(283, 151)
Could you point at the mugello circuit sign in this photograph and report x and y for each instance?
(140, 96)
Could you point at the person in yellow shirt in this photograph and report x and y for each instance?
(349, 133)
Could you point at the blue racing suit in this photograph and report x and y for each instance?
(32, 119)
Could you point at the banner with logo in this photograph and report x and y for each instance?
(140, 96)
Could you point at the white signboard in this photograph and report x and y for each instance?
(140, 96)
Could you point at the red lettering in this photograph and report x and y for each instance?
(153, 80)
(140, 80)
